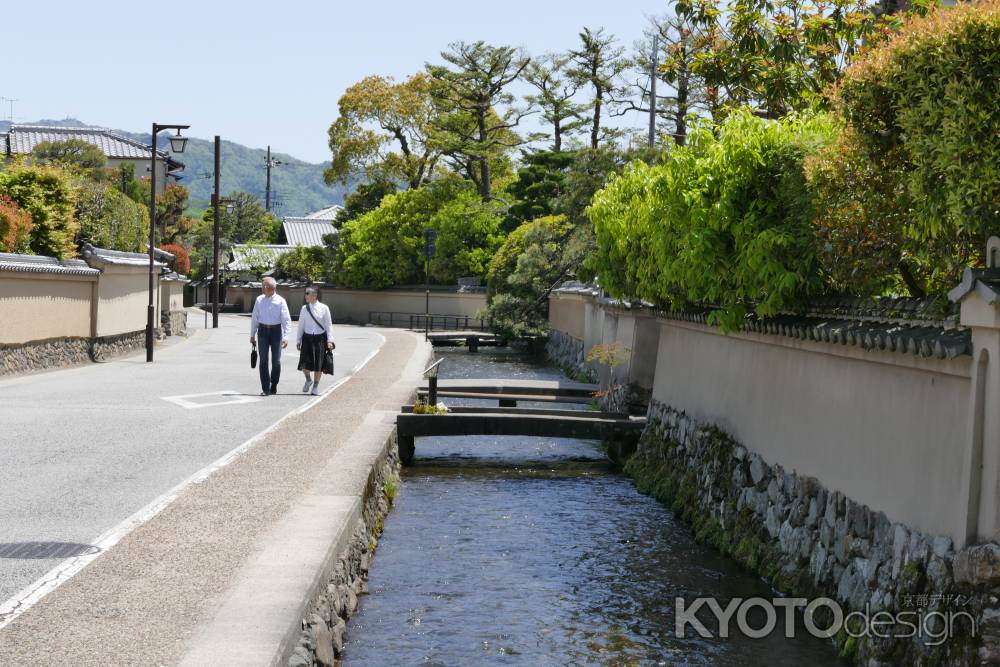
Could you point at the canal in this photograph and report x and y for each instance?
(530, 551)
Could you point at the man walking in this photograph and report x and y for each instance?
(269, 327)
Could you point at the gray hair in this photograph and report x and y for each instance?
(313, 289)
(270, 282)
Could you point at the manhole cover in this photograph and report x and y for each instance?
(45, 549)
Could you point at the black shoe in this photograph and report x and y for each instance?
(263, 392)
(274, 389)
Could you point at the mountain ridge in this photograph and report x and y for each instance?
(297, 186)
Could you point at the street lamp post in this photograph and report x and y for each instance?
(177, 144)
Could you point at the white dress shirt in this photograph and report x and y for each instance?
(271, 310)
(308, 326)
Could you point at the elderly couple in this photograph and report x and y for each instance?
(269, 326)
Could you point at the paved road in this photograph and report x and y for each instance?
(83, 449)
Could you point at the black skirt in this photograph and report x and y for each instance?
(311, 354)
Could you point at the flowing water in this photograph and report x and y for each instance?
(531, 551)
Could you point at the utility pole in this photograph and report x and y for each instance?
(267, 189)
(652, 90)
(215, 235)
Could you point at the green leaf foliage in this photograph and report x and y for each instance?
(924, 110)
(540, 181)
(303, 263)
(45, 193)
(110, 219)
(724, 221)
(386, 246)
(547, 232)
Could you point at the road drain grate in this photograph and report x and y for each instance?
(30, 550)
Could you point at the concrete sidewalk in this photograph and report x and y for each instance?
(158, 594)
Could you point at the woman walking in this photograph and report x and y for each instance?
(315, 338)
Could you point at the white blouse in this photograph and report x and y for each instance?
(307, 325)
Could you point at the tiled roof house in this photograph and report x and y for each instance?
(22, 139)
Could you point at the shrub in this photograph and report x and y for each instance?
(182, 260)
(15, 227)
(110, 219)
(46, 194)
(925, 108)
(302, 263)
(725, 221)
(522, 272)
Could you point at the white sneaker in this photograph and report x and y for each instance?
(315, 389)
(306, 386)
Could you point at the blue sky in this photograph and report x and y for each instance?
(255, 72)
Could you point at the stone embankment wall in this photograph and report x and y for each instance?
(62, 352)
(846, 452)
(811, 542)
(324, 627)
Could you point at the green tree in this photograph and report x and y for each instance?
(680, 90)
(47, 195)
(556, 96)
(597, 63)
(170, 219)
(71, 154)
(378, 114)
(386, 246)
(245, 220)
(109, 219)
(476, 119)
(523, 272)
(246, 223)
(468, 234)
(777, 57)
(541, 181)
(366, 197)
(129, 186)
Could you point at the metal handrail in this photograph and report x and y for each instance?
(433, 368)
(430, 322)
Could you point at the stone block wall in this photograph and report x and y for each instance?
(568, 353)
(41, 354)
(812, 542)
(173, 322)
(108, 347)
(63, 352)
(325, 624)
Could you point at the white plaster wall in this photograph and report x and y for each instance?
(886, 429)
(38, 306)
(123, 297)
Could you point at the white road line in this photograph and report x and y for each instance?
(65, 570)
(230, 397)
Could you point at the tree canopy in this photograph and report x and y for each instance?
(383, 131)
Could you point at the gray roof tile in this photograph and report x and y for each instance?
(102, 257)
(306, 232)
(38, 264)
(22, 140)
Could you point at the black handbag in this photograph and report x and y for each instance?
(253, 357)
